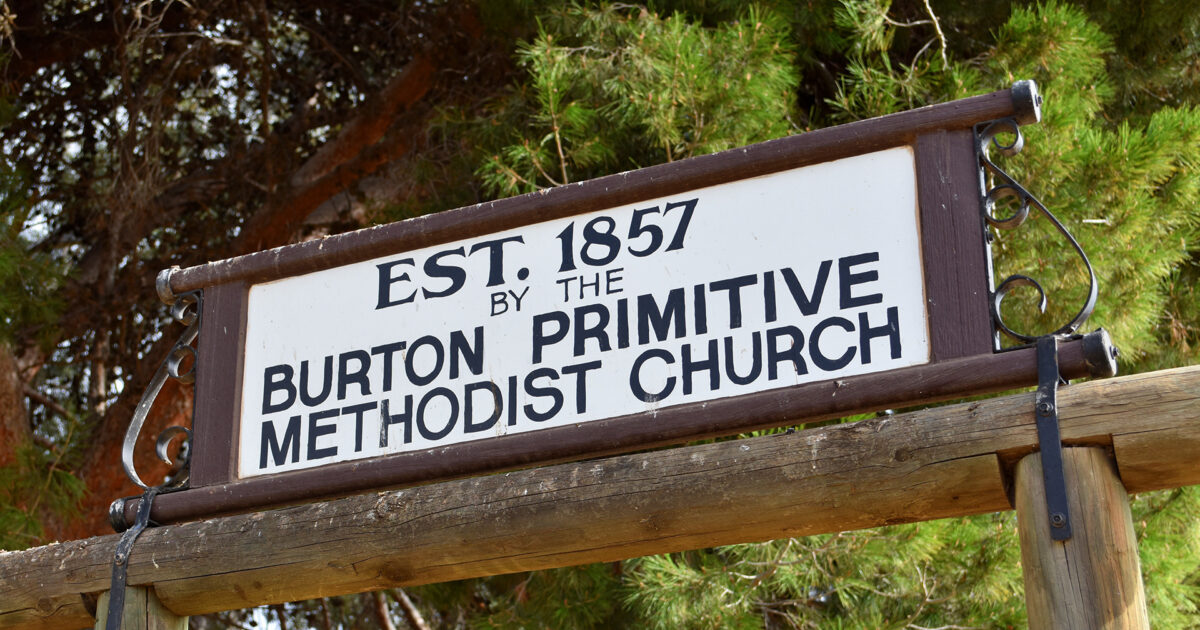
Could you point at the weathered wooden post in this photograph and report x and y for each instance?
(1093, 579)
(143, 611)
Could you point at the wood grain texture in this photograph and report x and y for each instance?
(953, 246)
(219, 380)
(929, 464)
(1093, 579)
(1159, 458)
(143, 611)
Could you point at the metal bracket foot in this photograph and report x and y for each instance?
(1050, 439)
(116, 590)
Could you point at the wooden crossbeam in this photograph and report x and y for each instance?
(935, 463)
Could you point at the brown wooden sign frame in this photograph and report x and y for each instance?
(955, 258)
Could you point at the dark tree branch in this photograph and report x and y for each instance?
(370, 121)
(48, 403)
(359, 150)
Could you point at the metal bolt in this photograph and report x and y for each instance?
(1045, 408)
(1058, 519)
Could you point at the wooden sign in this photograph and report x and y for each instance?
(798, 276)
(839, 271)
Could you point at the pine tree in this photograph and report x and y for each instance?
(592, 89)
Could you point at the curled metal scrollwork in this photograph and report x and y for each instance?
(999, 186)
(185, 309)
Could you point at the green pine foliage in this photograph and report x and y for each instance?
(1168, 544)
(613, 88)
(577, 598)
(1154, 64)
(28, 278)
(1128, 193)
(38, 483)
(928, 574)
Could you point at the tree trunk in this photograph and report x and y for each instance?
(380, 607)
(411, 614)
(14, 420)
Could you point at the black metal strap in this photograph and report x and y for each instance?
(1050, 439)
(116, 591)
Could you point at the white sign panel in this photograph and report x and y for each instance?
(803, 275)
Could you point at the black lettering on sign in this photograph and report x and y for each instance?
(346, 376)
(495, 250)
(580, 371)
(891, 330)
(849, 280)
(623, 323)
(469, 424)
(316, 430)
(439, 267)
(689, 206)
(434, 269)
(769, 309)
(635, 376)
(387, 350)
(439, 356)
(279, 451)
(637, 229)
(278, 378)
(387, 419)
(793, 351)
(542, 338)
(533, 390)
(512, 401)
(814, 345)
(326, 383)
(470, 353)
(711, 364)
(733, 287)
(701, 308)
(387, 279)
(808, 304)
(755, 360)
(585, 331)
(661, 320)
(358, 411)
(426, 432)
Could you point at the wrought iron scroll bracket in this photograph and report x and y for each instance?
(998, 187)
(1050, 439)
(186, 310)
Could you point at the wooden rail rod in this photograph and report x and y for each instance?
(935, 463)
(1020, 102)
